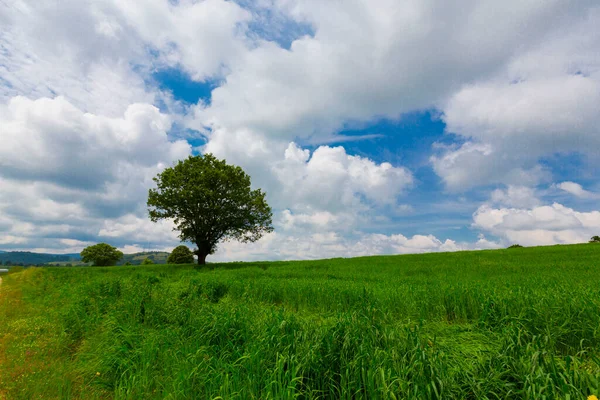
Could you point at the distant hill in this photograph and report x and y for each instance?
(29, 258)
(158, 257)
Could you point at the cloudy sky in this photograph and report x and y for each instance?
(374, 126)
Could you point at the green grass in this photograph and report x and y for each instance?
(506, 324)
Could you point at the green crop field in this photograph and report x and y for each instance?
(506, 324)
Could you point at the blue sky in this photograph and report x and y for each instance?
(375, 127)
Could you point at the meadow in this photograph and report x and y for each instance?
(504, 324)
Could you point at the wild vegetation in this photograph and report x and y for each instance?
(101, 255)
(209, 201)
(498, 324)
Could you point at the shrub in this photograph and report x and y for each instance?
(101, 255)
(515, 246)
(147, 261)
(181, 255)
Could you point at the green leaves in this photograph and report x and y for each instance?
(101, 255)
(209, 201)
(181, 255)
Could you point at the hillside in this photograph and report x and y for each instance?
(158, 257)
(29, 258)
(502, 324)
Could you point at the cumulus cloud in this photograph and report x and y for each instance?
(331, 244)
(515, 196)
(480, 164)
(542, 103)
(51, 140)
(204, 37)
(330, 179)
(541, 225)
(405, 57)
(84, 53)
(82, 134)
(577, 190)
(70, 170)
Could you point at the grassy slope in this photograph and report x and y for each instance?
(521, 323)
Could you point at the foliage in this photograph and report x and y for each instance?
(127, 264)
(147, 261)
(515, 246)
(209, 201)
(101, 255)
(181, 255)
(469, 325)
(595, 239)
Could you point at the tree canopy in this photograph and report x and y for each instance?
(595, 239)
(101, 255)
(209, 201)
(181, 255)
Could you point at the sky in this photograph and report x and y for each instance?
(374, 126)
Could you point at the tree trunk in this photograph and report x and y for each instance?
(202, 251)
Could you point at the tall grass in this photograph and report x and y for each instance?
(523, 323)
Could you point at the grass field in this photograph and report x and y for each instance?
(506, 324)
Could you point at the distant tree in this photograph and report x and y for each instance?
(181, 255)
(127, 263)
(515, 246)
(595, 239)
(101, 255)
(209, 201)
(147, 261)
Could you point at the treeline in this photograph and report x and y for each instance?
(22, 258)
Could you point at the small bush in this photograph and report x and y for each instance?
(515, 246)
(147, 261)
(101, 255)
(181, 255)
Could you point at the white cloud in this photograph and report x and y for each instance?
(478, 164)
(330, 244)
(80, 52)
(76, 99)
(204, 37)
(542, 225)
(511, 126)
(100, 55)
(70, 170)
(577, 190)
(51, 140)
(541, 104)
(330, 179)
(370, 60)
(515, 196)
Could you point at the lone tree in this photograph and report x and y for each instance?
(181, 255)
(595, 239)
(209, 201)
(101, 255)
